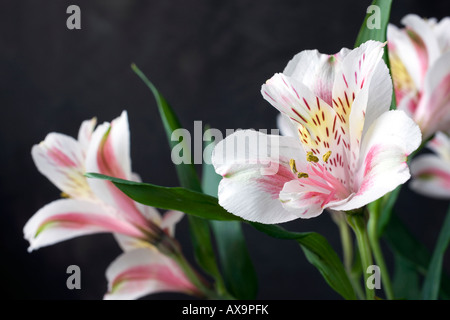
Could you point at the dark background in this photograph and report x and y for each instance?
(209, 59)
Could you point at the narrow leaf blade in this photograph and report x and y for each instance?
(177, 198)
(319, 253)
(433, 278)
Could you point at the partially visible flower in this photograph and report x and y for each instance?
(346, 150)
(91, 205)
(419, 55)
(140, 272)
(431, 172)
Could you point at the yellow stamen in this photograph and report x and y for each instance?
(64, 195)
(326, 156)
(302, 175)
(293, 166)
(311, 157)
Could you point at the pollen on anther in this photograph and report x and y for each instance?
(293, 166)
(310, 157)
(326, 156)
(302, 175)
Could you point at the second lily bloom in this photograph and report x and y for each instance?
(344, 147)
(420, 64)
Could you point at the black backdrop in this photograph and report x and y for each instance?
(209, 58)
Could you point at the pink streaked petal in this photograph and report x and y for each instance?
(60, 158)
(406, 70)
(304, 201)
(387, 143)
(109, 154)
(431, 176)
(65, 219)
(141, 272)
(433, 112)
(246, 190)
(423, 38)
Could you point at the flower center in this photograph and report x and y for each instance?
(318, 176)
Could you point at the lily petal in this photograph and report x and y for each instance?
(433, 111)
(60, 158)
(387, 144)
(141, 272)
(441, 145)
(170, 219)
(85, 133)
(250, 188)
(67, 218)
(431, 176)
(109, 154)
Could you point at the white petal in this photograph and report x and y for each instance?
(402, 47)
(66, 219)
(442, 32)
(60, 158)
(141, 272)
(170, 219)
(286, 126)
(253, 177)
(441, 145)
(431, 176)
(426, 35)
(304, 202)
(85, 133)
(388, 142)
(316, 71)
(109, 154)
(433, 112)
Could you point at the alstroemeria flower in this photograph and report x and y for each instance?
(420, 63)
(93, 205)
(140, 272)
(431, 172)
(348, 149)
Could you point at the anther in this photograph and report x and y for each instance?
(293, 166)
(326, 156)
(310, 157)
(302, 175)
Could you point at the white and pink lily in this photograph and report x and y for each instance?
(419, 55)
(346, 150)
(92, 206)
(141, 272)
(431, 172)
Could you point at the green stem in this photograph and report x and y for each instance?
(347, 248)
(357, 222)
(372, 230)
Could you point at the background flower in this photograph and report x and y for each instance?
(420, 62)
(431, 172)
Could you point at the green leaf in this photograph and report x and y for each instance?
(433, 277)
(319, 253)
(200, 231)
(406, 279)
(237, 266)
(387, 204)
(408, 247)
(171, 198)
(378, 34)
(186, 171)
